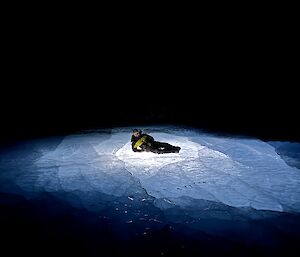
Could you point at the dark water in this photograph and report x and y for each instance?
(52, 225)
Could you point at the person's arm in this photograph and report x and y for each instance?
(140, 144)
(134, 148)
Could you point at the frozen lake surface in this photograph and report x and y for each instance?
(214, 185)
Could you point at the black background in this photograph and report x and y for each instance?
(231, 79)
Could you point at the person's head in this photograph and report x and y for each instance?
(136, 132)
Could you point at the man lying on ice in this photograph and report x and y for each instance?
(142, 142)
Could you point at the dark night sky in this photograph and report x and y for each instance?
(70, 102)
(61, 83)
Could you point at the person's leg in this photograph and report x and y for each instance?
(162, 147)
(154, 148)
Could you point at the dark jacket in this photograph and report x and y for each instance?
(148, 141)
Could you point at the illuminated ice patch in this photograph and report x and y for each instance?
(147, 163)
(236, 172)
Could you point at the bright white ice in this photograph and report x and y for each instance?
(233, 171)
